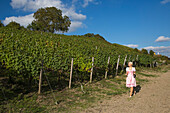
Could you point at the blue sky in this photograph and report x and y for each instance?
(135, 23)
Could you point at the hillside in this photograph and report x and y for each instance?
(25, 54)
(57, 50)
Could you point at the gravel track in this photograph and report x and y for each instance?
(154, 97)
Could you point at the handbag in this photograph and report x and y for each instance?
(134, 75)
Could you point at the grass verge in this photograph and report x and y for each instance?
(71, 100)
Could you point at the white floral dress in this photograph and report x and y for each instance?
(130, 80)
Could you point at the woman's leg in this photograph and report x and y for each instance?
(131, 91)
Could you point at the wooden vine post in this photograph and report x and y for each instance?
(124, 63)
(107, 67)
(137, 58)
(153, 63)
(136, 62)
(129, 58)
(117, 65)
(71, 71)
(40, 80)
(91, 70)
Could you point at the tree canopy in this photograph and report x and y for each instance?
(144, 51)
(94, 35)
(136, 50)
(151, 52)
(50, 19)
(15, 25)
(1, 24)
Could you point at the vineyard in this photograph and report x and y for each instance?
(24, 53)
(60, 60)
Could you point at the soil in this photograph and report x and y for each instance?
(153, 97)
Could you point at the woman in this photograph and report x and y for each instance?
(130, 80)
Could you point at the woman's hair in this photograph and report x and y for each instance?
(130, 63)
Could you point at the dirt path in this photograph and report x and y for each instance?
(154, 97)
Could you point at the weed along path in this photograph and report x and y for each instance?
(154, 97)
(102, 96)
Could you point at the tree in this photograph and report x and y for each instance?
(136, 50)
(144, 51)
(1, 24)
(94, 35)
(151, 52)
(99, 36)
(15, 25)
(50, 19)
(33, 27)
(89, 35)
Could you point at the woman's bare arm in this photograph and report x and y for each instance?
(134, 72)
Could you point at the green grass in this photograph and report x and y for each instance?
(147, 75)
(141, 81)
(106, 84)
(166, 69)
(70, 100)
(117, 92)
(23, 105)
(118, 80)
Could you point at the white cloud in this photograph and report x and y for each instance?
(132, 45)
(86, 2)
(23, 20)
(162, 39)
(157, 48)
(75, 25)
(18, 3)
(33, 5)
(165, 1)
(73, 15)
(74, 1)
(161, 49)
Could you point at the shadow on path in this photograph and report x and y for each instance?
(137, 89)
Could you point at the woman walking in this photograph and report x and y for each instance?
(130, 80)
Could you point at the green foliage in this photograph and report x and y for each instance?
(93, 35)
(136, 50)
(151, 52)
(22, 52)
(144, 51)
(15, 25)
(163, 59)
(1, 24)
(89, 35)
(145, 59)
(50, 19)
